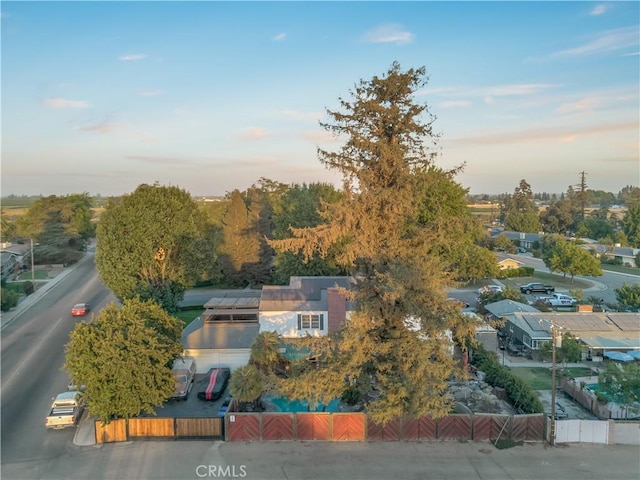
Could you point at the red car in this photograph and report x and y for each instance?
(80, 310)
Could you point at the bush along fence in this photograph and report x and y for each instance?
(522, 397)
(516, 272)
(338, 427)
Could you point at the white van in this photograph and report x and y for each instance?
(184, 371)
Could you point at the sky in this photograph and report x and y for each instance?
(101, 97)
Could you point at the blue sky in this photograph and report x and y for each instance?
(211, 96)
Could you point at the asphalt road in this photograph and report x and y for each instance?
(335, 461)
(32, 359)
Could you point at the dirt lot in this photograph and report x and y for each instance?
(572, 410)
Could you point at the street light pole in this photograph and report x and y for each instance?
(552, 439)
(33, 276)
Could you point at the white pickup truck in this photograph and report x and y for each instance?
(66, 410)
(559, 300)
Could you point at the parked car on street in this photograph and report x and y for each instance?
(559, 300)
(489, 289)
(536, 287)
(80, 309)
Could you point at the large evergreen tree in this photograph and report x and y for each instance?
(397, 335)
(124, 359)
(154, 243)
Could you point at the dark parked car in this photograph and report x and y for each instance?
(537, 288)
(80, 309)
(214, 384)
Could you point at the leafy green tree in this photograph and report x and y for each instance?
(569, 351)
(395, 246)
(558, 217)
(246, 385)
(631, 225)
(519, 212)
(502, 242)
(124, 358)
(299, 207)
(265, 351)
(621, 383)
(316, 382)
(154, 243)
(568, 258)
(240, 249)
(628, 296)
(475, 263)
(72, 212)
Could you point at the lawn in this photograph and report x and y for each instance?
(188, 316)
(576, 372)
(37, 274)
(538, 378)
(557, 281)
(620, 269)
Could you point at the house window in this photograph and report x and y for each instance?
(310, 321)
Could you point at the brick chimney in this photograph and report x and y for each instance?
(337, 310)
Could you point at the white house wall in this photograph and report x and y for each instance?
(207, 358)
(285, 324)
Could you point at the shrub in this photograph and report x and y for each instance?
(9, 300)
(520, 394)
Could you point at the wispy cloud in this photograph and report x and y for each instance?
(65, 103)
(585, 104)
(279, 37)
(133, 57)
(607, 41)
(488, 92)
(599, 9)
(391, 33)
(255, 133)
(455, 104)
(106, 127)
(559, 134)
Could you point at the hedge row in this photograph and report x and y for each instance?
(516, 272)
(520, 394)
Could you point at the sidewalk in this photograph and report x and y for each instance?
(86, 433)
(25, 303)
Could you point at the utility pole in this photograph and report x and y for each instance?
(552, 437)
(33, 276)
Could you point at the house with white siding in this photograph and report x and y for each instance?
(307, 306)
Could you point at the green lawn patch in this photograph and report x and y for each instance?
(557, 281)
(538, 378)
(37, 274)
(575, 372)
(620, 269)
(188, 316)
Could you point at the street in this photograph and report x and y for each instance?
(32, 359)
(335, 461)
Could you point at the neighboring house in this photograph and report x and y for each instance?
(308, 305)
(525, 240)
(625, 255)
(10, 262)
(507, 262)
(597, 332)
(223, 334)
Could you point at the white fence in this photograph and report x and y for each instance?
(597, 431)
